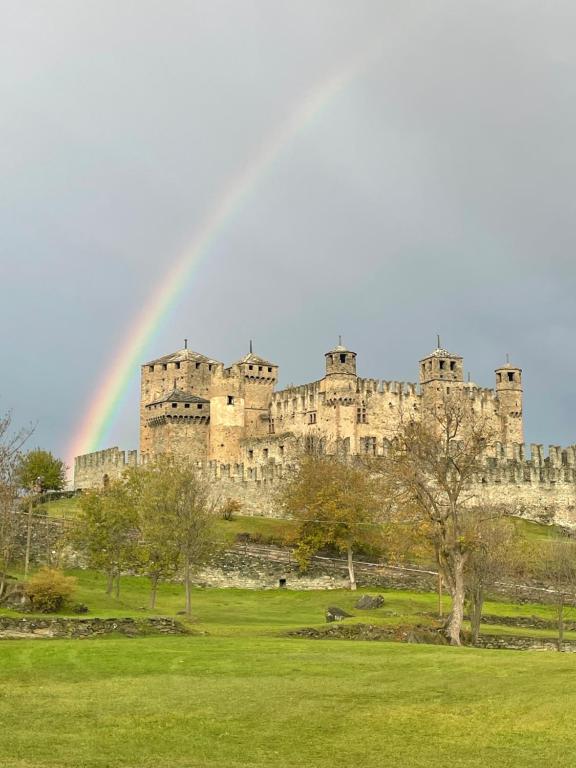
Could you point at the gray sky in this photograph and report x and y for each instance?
(435, 192)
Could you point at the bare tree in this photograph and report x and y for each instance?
(432, 466)
(11, 443)
(492, 555)
(556, 562)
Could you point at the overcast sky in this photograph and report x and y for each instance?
(434, 192)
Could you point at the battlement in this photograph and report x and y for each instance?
(384, 387)
(93, 470)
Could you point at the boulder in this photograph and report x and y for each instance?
(15, 597)
(333, 613)
(370, 602)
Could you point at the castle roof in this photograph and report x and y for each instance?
(254, 360)
(439, 352)
(340, 348)
(181, 356)
(178, 396)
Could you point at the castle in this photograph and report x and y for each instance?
(234, 423)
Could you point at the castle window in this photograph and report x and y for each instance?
(177, 366)
(312, 418)
(250, 453)
(210, 367)
(510, 376)
(342, 358)
(197, 366)
(272, 427)
(361, 414)
(499, 376)
(369, 445)
(281, 450)
(423, 368)
(199, 406)
(164, 367)
(186, 405)
(230, 400)
(174, 405)
(265, 453)
(151, 368)
(452, 365)
(259, 368)
(442, 364)
(250, 367)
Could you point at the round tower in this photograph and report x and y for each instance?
(340, 361)
(509, 391)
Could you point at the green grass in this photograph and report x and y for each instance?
(246, 695)
(214, 702)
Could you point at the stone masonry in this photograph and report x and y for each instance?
(243, 432)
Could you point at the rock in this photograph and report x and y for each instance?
(333, 613)
(370, 602)
(79, 608)
(15, 597)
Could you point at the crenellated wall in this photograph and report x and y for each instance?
(527, 480)
(94, 470)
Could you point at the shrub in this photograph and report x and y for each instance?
(229, 507)
(49, 589)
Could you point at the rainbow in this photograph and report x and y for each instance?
(112, 389)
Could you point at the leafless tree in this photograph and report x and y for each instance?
(432, 466)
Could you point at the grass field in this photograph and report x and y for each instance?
(240, 693)
(218, 702)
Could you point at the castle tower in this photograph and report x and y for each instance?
(340, 386)
(509, 391)
(240, 405)
(340, 361)
(441, 366)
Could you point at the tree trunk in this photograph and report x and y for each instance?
(476, 606)
(351, 569)
(110, 582)
(457, 593)
(153, 591)
(561, 624)
(28, 539)
(188, 588)
(440, 612)
(117, 585)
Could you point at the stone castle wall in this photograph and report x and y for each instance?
(526, 480)
(94, 470)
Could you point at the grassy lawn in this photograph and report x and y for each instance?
(245, 695)
(226, 702)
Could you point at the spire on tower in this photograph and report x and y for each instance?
(250, 346)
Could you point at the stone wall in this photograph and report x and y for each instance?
(93, 470)
(12, 628)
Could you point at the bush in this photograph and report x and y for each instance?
(49, 589)
(229, 507)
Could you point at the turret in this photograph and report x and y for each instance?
(509, 391)
(441, 365)
(340, 360)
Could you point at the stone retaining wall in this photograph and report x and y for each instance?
(12, 628)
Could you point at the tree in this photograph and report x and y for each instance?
(158, 551)
(556, 563)
(11, 443)
(107, 532)
(336, 504)
(432, 466)
(41, 468)
(177, 515)
(493, 554)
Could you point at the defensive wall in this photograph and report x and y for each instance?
(527, 480)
